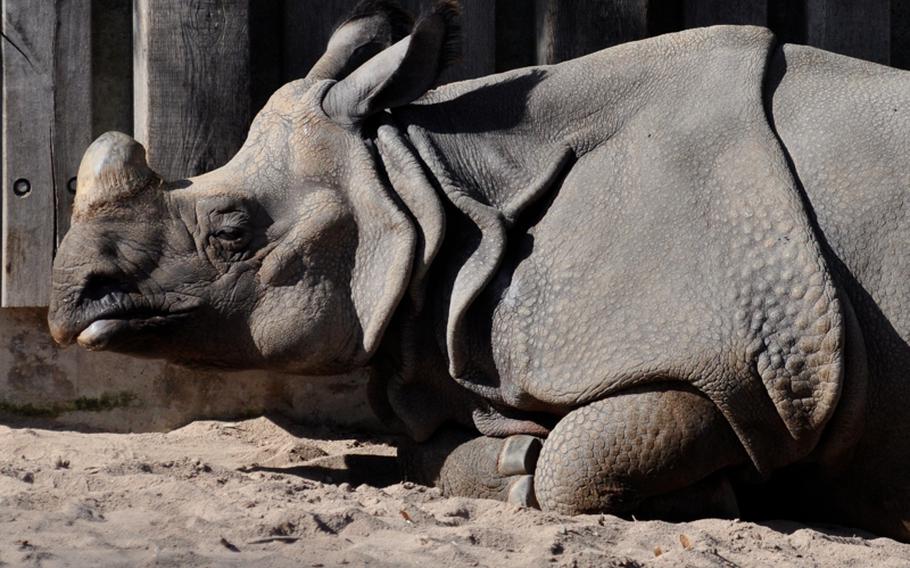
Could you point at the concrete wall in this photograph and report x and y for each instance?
(43, 384)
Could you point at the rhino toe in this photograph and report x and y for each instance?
(518, 455)
(521, 492)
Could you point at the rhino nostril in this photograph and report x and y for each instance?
(98, 286)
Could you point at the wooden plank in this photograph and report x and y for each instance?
(191, 82)
(112, 66)
(72, 104)
(697, 13)
(28, 121)
(571, 28)
(859, 29)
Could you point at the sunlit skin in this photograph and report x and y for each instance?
(666, 279)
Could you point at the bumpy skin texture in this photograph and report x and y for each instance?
(668, 258)
(846, 127)
(612, 454)
(648, 291)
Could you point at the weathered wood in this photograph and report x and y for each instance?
(191, 82)
(72, 104)
(28, 123)
(698, 13)
(572, 28)
(859, 29)
(112, 66)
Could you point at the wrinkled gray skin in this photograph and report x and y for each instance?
(680, 262)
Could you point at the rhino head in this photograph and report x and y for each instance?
(293, 256)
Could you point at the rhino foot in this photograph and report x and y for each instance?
(479, 466)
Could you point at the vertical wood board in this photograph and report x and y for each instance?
(72, 104)
(858, 29)
(28, 123)
(112, 66)
(190, 82)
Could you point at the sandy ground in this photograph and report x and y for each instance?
(255, 493)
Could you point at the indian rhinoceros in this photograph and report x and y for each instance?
(654, 280)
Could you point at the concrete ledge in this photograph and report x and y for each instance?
(73, 388)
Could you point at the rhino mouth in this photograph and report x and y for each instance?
(117, 317)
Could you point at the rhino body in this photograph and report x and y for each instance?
(674, 269)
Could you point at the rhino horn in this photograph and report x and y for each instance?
(113, 168)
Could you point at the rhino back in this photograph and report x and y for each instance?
(674, 249)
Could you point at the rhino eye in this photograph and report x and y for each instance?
(231, 239)
(229, 234)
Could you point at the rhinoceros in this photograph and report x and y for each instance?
(655, 280)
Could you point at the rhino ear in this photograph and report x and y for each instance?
(384, 257)
(401, 73)
(372, 26)
(382, 261)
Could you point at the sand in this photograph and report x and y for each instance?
(262, 493)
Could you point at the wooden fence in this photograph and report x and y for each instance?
(186, 76)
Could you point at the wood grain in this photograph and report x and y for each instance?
(112, 66)
(191, 82)
(72, 104)
(28, 128)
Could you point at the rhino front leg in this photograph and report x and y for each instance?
(651, 453)
(475, 466)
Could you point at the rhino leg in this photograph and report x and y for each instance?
(475, 466)
(650, 453)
